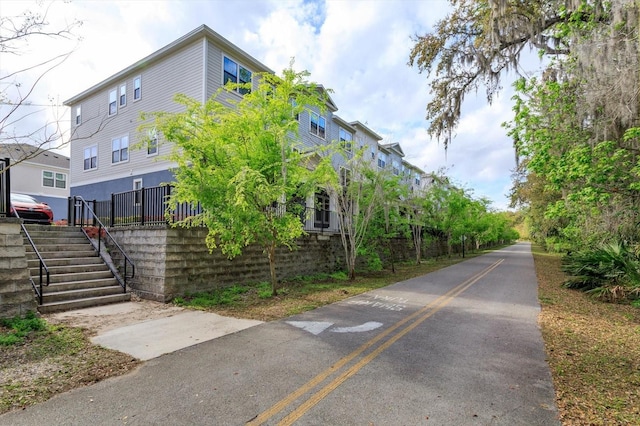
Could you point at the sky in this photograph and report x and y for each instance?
(357, 48)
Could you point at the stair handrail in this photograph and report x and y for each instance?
(121, 280)
(43, 265)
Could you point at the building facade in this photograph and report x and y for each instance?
(105, 118)
(43, 174)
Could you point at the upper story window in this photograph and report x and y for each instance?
(152, 144)
(417, 178)
(395, 167)
(235, 73)
(318, 125)
(346, 139)
(120, 149)
(382, 160)
(78, 115)
(123, 95)
(137, 88)
(113, 96)
(91, 158)
(54, 180)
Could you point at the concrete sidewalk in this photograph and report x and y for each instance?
(147, 330)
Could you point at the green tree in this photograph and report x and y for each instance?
(358, 192)
(243, 164)
(482, 39)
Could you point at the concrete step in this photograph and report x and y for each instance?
(56, 240)
(83, 303)
(79, 285)
(80, 276)
(69, 269)
(84, 293)
(88, 252)
(64, 261)
(59, 247)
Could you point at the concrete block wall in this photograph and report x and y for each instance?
(171, 262)
(16, 295)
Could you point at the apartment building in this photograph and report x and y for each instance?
(105, 117)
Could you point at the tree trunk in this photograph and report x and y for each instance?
(272, 269)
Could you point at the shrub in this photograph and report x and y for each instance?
(610, 272)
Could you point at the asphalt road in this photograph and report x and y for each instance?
(459, 346)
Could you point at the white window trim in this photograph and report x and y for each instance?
(115, 102)
(53, 179)
(153, 134)
(317, 134)
(120, 161)
(122, 93)
(78, 120)
(84, 158)
(136, 198)
(239, 65)
(138, 77)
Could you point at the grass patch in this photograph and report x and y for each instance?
(48, 360)
(304, 293)
(593, 349)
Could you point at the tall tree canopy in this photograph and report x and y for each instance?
(480, 39)
(243, 164)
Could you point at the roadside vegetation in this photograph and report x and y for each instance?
(38, 361)
(593, 349)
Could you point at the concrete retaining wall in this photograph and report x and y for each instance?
(16, 294)
(173, 261)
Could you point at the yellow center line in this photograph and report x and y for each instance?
(429, 309)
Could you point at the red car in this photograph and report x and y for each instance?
(30, 210)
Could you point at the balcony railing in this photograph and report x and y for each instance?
(148, 206)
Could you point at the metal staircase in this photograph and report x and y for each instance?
(69, 273)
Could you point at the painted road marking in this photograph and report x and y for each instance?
(367, 326)
(417, 317)
(313, 327)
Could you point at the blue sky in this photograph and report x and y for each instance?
(358, 48)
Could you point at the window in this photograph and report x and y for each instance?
(152, 144)
(345, 177)
(396, 167)
(345, 140)
(113, 107)
(382, 160)
(137, 88)
(318, 125)
(417, 178)
(78, 115)
(321, 215)
(236, 74)
(47, 179)
(294, 105)
(61, 180)
(120, 149)
(137, 187)
(91, 158)
(123, 95)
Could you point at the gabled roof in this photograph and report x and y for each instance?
(394, 146)
(196, 34)
(359, 125)
(33, 154)
(330, 104)
(414, 168)
(343, 123)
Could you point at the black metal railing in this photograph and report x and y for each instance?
(83, 214)
(148, 206)
(5, 187)
(43, 280)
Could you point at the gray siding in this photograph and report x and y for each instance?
(103, 190)
(180, 72)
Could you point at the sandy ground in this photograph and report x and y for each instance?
(100, 319)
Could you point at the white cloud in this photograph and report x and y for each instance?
(358, 48)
